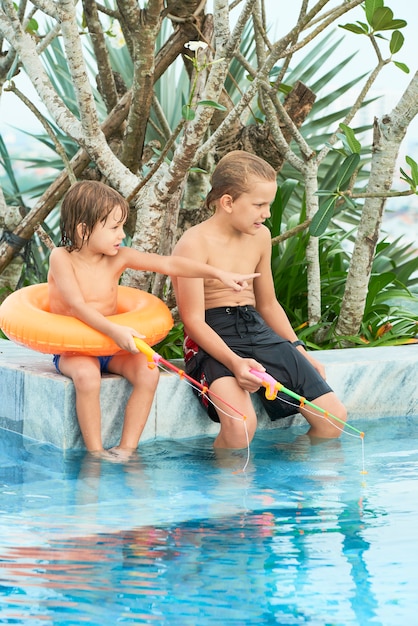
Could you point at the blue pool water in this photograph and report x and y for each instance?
(178, 536)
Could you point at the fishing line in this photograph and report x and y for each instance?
(272, 388)
(242, 417)
(156, 359)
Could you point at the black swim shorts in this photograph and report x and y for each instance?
(246, 333)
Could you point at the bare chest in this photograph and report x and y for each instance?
(99, 289)
(238, 257)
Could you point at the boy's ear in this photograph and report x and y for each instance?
(226, 202)
(82, 230)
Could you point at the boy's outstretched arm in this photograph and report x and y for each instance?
(182, 266)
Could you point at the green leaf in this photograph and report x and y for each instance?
(397, 24)
(323, 192)
(382, 19)
(347, 169)
(371, 6)
(396, 42)
(376, 285)
(187, 113)
(407, 178)
(414, 169)
(345, 150)
(353, 143)
(213, 104)
(402, 67)
(322, 217)
(353, 28)
(350, 203)
(32, 26)
(364, 26)
(286, 189)
(286, 89)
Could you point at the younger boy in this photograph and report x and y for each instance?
(83, 281)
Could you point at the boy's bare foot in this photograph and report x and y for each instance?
(121, 454)
(106, 455)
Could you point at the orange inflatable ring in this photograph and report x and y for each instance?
(25, 318)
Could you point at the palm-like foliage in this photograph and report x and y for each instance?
(288, 258)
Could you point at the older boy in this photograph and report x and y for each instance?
(229, 333)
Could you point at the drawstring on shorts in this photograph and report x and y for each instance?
(242, 318)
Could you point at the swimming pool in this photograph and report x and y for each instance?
(180, 536)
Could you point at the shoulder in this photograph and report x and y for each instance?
(263, 240)
(264, 233)
(193, 242)
(59, 255)
(56, 252)
(194, 232)
(60, 264)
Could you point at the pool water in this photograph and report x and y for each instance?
(181, 536)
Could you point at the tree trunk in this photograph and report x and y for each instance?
(9, 217)
(388, 135)
(55, 192)
(312, 252)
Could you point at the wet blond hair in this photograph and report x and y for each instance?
(88, 202)
(234, 174)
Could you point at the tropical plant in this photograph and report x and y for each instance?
(127, 131)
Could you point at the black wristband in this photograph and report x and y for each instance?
(297, 343)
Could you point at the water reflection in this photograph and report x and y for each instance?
(178, 536)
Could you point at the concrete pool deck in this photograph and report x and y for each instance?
(38, 403)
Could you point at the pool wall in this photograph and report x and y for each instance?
(39, 403)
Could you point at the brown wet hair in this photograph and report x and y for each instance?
(87, 202)
(235, 172)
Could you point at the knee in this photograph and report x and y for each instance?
(329, 420)
(86, 379)
(340, 412)
(152, 376)
(143, 374)
(236, 432)
(335, 427)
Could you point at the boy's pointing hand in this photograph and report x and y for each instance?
(237, 282)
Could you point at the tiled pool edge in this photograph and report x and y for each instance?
(39, 403)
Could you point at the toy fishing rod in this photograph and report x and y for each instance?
(156, 359)
(273, 387)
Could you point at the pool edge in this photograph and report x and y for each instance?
(40, 404)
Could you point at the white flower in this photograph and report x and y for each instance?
(194, 46)
(117, 40)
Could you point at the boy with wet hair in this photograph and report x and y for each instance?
(83, 280)
(228, 334)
